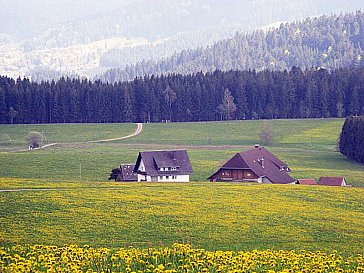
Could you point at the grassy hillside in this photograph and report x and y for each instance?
(209, 215)
(308, 146)
(303, 133)
(63, 133)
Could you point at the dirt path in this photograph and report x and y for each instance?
(137, 132)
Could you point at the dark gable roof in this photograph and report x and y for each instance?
(331, 181)
(127, 172)
(259, 153)
(236, 162)
(262, 162)
(154, 160)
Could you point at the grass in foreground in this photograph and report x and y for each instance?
(208, 215)
(178, 258)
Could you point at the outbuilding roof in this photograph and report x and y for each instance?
(332, 181)
(127, 172)
(307, 181)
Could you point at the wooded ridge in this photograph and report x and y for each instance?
(329, 42)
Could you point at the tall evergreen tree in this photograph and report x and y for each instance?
(3, 109)
(170, 97)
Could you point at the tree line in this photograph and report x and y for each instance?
(351, 142)
(197, 97)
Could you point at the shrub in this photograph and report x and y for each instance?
(34, 139)
(5, 139)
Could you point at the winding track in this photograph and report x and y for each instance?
(137, 132)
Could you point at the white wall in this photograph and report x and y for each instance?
(141, 166)
(142, 177)
(179, 178)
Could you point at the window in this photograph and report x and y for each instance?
(174, 177)
(161, 177)
(167, 177)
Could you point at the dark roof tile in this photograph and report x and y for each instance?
(153, 160)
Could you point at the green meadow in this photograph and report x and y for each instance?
(309, 147)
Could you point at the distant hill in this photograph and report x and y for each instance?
(328, 42)
(87, 37)
(66, 22)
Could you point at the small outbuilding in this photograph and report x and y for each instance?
(306, 181)
(125, 173)
(332, 181)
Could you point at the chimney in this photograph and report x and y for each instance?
(262, 162)
(256, 146)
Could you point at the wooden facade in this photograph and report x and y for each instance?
(235, 175)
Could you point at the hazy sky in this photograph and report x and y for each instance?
(25, 18)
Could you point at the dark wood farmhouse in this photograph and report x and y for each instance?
(163, 166)
(256, 165)
(332, 181)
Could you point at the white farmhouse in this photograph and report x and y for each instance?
(163, 166)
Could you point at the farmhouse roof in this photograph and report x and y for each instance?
(332, 181)
(262, 162)
(127, 172)
(307, 181)
(155, 160)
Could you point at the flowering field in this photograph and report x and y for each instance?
(178, 258)
(207, 215)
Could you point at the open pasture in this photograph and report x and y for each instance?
(213, 216)
(61, 133)
(308, 146)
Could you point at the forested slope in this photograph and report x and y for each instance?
(328, 41)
